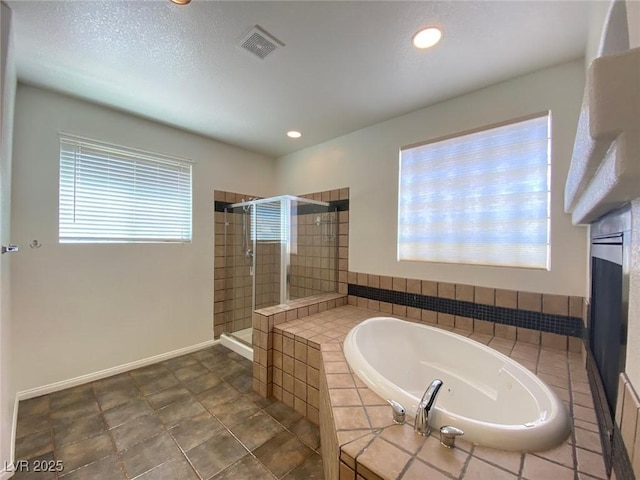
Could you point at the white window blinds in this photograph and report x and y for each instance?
(269, 222)
(115, 194)
(479, 198)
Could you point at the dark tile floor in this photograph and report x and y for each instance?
(191, 417)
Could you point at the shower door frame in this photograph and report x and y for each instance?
(285, 247)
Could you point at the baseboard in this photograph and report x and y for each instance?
(91, 377)
(6, 475)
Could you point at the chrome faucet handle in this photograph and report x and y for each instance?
(421, 423)
(399, 412)
(448, 435)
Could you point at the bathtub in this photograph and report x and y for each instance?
(495, 400)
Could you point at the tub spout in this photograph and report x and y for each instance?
(421, 424)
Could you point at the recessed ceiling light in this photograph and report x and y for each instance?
(293, 134)
(180, 2)
(427, 37)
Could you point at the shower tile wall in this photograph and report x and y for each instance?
(315, 258)
(313, 267)
(233, 281)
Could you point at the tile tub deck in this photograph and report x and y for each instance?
(360, 441)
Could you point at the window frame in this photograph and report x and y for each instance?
(138, 163)
(547, 114)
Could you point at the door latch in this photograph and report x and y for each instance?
(9, 248)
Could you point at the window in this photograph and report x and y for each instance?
(478, 198)
(115, 194)
(268, 222)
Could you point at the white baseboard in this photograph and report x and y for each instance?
(91, 377)
(6, 475)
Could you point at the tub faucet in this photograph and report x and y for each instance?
(421, 425)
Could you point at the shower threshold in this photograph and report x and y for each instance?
(239, 342)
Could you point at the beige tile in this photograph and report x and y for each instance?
(399, 284)
(446, 290)
(575, 344)
(429, 316)
(553, 340)
(636, 451)
(591, 463)
(421, 471)
(562, 454)
(584, 414)
(555, 304)
(414, 313)
(530, 301)
(374, 281)
(346, 472)
(414, 286)
(363, 279)
(463, 323)
(465, 292)
(485, 296)
(400, 310)
(300, 351)
(349, 418)
(479, 470)
(404, 437)
(505, 331)
(382, 456)
(575, 306)
(313, 357)
(446, 319)
(484, 327)
(506, 298)
(379, 416)
(508, 460)
(528, 336)
(336, 367)
(429, 288)
(369, 397)
(350, 451)
(588, 440)
(313, 377)
(386, 283)
(536, 468)
(630, 408)
(344, 397)
(450, 460)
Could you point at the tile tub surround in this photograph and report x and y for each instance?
(628, 423)
(554, 321)
(190, 417)
(265, 340)
(360, 441)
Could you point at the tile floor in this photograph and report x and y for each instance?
(191, 417)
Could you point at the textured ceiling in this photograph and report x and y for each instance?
(344, 66)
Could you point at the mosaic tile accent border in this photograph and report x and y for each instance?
(545, 322)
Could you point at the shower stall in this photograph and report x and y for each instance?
(277, 250)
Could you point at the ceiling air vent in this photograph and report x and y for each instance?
(259, 42)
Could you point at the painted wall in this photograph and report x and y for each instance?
(79, 309)
(7, 98)
(367, 162)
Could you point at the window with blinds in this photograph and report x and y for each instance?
(269, 224)
(478, 198)
(116, 194)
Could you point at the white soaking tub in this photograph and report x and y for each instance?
(495, 400)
